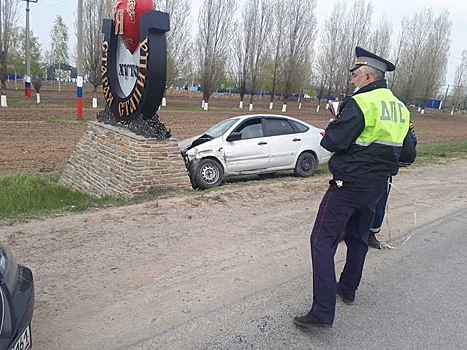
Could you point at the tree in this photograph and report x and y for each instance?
(59, 47)
(178, 38)
(398, 51)
(299, 35)
(93, 14)
(240, 68)
(460, 82)
(357, 26)
(435, 57)
(338, 50)
(262, 23)
(8, 20)
(213, 42)
(380, 38)
(250, 46)
(17, 56)
(422, 55)
(275, 48)
(328, 57)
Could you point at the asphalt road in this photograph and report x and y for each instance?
(412, 297)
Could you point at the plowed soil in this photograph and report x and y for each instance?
(39, 138)
(124, 277)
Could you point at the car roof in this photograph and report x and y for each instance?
(246, 116)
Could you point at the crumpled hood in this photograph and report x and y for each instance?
(185, 144)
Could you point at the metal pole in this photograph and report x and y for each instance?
(27, 78)
(79, 62)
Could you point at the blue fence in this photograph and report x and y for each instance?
(435, 104)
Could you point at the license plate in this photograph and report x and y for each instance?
(24, 341)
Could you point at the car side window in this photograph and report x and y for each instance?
(299, 126)
(251, 129)
(277, 126)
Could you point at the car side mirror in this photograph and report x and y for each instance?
(234, 136)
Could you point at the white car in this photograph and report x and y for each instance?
(252, 144)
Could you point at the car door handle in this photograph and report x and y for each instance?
(296, 140)
(262, 143)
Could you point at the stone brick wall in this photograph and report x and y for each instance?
(111, 160)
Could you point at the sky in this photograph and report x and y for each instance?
(43, 13)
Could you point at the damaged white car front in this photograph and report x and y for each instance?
(204, 155)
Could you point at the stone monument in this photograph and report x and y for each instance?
(128, 151)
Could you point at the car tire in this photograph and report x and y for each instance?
(306, 164)
(208, 173)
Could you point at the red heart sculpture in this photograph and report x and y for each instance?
(126, 20)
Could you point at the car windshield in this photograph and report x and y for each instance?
(220, 128)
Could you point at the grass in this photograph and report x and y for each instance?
(25, 196)
(442, 149)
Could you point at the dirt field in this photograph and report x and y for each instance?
(112, 277)
(40, 139)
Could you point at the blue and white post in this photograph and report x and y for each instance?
(27, 86)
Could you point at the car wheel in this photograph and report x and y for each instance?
(209, 173)
(306, 165)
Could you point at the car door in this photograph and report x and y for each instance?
(283, 142)
(251, 152)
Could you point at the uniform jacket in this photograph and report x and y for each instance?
(353, 162)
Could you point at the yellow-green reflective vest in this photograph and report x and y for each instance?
(386, 118)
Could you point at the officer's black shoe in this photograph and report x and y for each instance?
(373, 242)
(343, 298)
(309, 320)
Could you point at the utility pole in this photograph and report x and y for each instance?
(445, 97)
(79, 63)
(27, 78)
(3, 102)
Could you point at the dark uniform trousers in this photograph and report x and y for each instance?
(380, 209)
(350, 207)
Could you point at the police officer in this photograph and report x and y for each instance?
(405, 159)
(367, 139)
